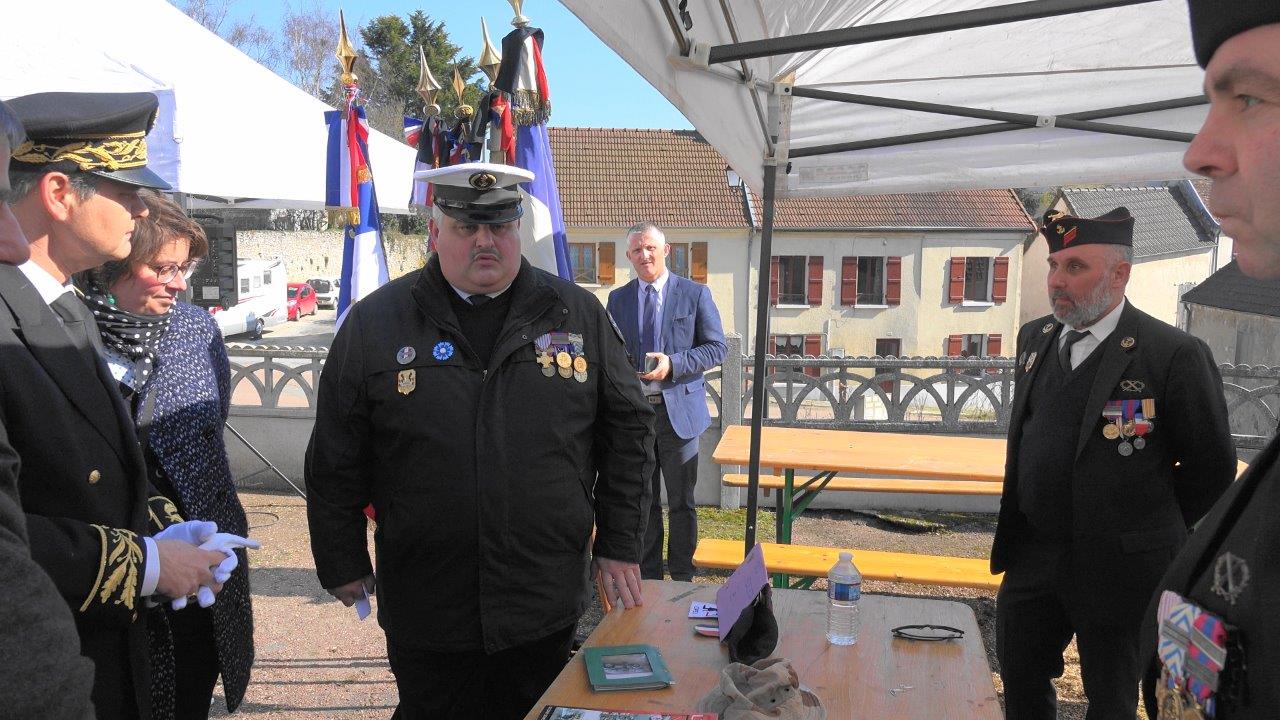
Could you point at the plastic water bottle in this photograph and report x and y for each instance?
(844, 587)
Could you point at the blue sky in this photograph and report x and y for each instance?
(590, 85)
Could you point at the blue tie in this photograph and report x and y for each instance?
(647, 334)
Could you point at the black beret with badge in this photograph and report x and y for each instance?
(482, 193)
(1063, 230)
(1214, 22)
(102, 134)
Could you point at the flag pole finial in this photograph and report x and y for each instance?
(346, 54)
(464, 110)
(490, 60)
(428, 86)
(519, 20)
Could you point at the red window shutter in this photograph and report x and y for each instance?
(815, 280)
(604, 263)
(1000, 280)
(893, 281)
(849, 281)
(954, 343)
(993, 346)
(955, 277)
(812, 346)
(698, 262)
(773, 280)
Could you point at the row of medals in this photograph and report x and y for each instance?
(1129, 429)
(564, 363)
(1175, 703)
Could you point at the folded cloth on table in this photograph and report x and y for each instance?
(767, 690)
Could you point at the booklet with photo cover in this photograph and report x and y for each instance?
(555, 712)
(626, 667)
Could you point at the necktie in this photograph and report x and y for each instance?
(1064, 352)
(73, 313)
(648, 326)
(478, 300)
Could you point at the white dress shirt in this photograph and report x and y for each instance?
(652, 387)
(1096, 333)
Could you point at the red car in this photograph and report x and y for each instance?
(302, 300)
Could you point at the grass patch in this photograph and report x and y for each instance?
(732, 524)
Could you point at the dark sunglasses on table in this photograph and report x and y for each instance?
(166, 273)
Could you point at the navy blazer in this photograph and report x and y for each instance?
(691, 336)
(191, 391)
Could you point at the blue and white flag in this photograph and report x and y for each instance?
(521, 75)
(351, 198)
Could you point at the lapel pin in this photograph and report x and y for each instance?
(1031, 360)
(443, 350)
(1128, 342)
(1048, 327)
(406, 355)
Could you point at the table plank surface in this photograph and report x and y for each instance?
(904, 454)
(949, 680)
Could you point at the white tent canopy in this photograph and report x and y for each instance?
(1047, 67)
(229, 129)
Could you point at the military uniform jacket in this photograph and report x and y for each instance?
(486, 481)
(82, 480)
(1243, 523)
(1130, 514)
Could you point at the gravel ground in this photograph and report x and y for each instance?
(316, 660)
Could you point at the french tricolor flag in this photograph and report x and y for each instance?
(542, 236)
(349, 193)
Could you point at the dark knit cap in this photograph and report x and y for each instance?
(1214, 22)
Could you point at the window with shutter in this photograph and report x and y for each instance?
(871, 281)
(698, 267)
(775, 282)
(582, 258)
(678, 259)
(893, 281)
(605, 273)
(955, 280)
(815, 280)
(977, 279)
(954, 345)
(1000, 280)
(848, 281)
(792, 280)
(993, 350)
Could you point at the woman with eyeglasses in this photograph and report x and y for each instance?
(172, 367)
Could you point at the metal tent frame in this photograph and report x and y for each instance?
(710, 58)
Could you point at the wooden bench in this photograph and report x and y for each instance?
(887, 485)
(813, 562)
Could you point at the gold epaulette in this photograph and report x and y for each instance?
(117, 582)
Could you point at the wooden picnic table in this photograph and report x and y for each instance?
(880, 676)
(830, 452)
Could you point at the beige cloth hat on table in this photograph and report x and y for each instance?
(767, 690)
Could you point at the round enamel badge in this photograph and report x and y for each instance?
(406, 355)
(442, 351)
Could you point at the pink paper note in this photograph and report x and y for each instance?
(736, 595)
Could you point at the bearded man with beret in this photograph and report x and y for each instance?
(1118, 443)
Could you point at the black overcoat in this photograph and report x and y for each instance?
(1129, 514)
(82, 483)
(486, 481)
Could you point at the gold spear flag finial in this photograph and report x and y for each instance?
(346, 53)
(519, 20)
(428, 86)
(490, 60)
(463, 111)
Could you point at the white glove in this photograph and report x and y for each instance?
(226, 543)
(191, 532)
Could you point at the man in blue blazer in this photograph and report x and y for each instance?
(673, 334)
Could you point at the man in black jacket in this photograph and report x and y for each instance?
(489, 413)
(1118, 442)
(1222, 591)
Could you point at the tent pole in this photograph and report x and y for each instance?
(944, 22)
(990, 129)
(758, 375)
(1023, 119)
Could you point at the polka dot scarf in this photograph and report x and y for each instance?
(133, 335)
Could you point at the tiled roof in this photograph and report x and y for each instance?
(611, 177)
(1166, 222)
(1231, 289)
(979, 209)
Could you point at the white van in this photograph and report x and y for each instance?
(264, 299)
(326, 291)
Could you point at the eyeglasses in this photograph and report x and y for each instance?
(166, 273)
(927, 633)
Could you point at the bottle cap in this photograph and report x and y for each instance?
(846, 556)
